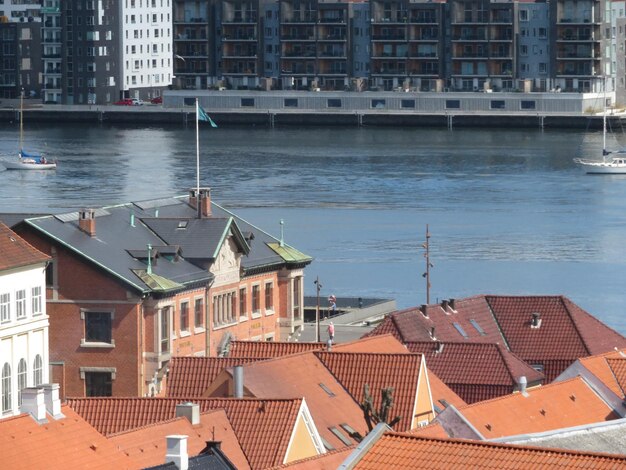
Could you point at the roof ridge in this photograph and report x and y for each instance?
(146, 426)
(606, 355)
(373, 353)
(589, 316)
(477, 443)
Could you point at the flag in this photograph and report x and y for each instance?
(203, 116)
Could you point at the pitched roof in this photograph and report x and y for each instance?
(398, 450)
(558, 405)
(618, 367)
(304, 375)
(378, 371)
(476, 371)
(442, 394)
(68, 442)
(599, 366)
(431, 430)
(374, 344)
(263, 426)
(190, 377)
(331, 460)
(268, 349)
(147, 445)
(17, 252)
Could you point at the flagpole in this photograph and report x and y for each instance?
(197, 152)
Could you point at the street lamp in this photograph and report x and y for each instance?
(317, 310)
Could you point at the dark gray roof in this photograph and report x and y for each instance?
(123, 233)
(210, 459)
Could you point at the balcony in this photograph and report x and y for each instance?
(190, 20)
(241, 19)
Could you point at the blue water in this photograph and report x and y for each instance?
(508, 211)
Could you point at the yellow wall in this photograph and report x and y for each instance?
(302, 445)
(423, 405)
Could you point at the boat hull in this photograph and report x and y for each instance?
(9, 165)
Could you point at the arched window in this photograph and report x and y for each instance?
(6, 387)
(22, 378)
(37, 371)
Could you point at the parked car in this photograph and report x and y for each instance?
(124, 102)
(157, 100)
(137, 102)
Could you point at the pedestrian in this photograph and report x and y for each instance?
(331, 332)
(332, 305)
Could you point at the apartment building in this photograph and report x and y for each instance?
(21, 59)
(20, 11)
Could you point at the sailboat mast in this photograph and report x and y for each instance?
(21, 119)
(604, 121)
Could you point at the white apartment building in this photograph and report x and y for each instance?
(24, 360)
(20, 10)
(146, 47)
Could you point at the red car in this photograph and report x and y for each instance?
(124, 102)
(157, 100)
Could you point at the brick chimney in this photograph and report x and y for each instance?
(204, 196)
(87, 221)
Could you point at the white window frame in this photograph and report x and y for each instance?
(20, 304)
(5, 307)
(36, 301)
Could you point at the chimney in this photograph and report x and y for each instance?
(189, 410)
(444, 305)
(87, 221)
(33, 403)
(238, 382)
(522, 382)
(535, 321)
(205, 202)
(432, 333)
(423, 309)
(452, 302)
(52, 400)
(177, 451)
(439, 348)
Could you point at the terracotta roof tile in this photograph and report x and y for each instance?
(16, 252)
(396, 450)
(68, 442)
(268, 349)
(147, 445)
(558, 405)
(263, 426)
(304, 375)
(475, 371)
(374, 344)
(190, 377)
(600, 368)
(442, 394)
(432, 430)
(329, 461)
(618, 367)
(399, 371)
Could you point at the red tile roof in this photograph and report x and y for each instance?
(268, 349)
(397, 450)
(399, 371)
(618, 367)
(329, 461)
(68, 442)
(475, 371)
(373, 344)
(558, 405)
(263, 426)
(304, 375)
(190, 377)
(599, 367)
(17, 252)
(442, 394)
(432, 430)
(147, 445)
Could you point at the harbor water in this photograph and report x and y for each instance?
(508, 210)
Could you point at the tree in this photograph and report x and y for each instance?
(373, 417)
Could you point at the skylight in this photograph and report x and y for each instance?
(182, 224)
(460, 329)
(477, 326)
(340, 436)
(327, 390)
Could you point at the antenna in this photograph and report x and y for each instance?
(149, 270)
(282, 237)
(426, 275)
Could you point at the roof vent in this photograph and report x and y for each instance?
(424, 310)
(522, 382)
(432, 333)
(535, 321)
(439, 348)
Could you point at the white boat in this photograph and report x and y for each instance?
(615, 165)
(27, 161)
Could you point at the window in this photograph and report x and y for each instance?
(224, 307)
(291, 102)
(297, 289)
(198, 309)
(407, 104)
(460, 329)
(334, 103)
(36, 300)
(98, 384)
(339, 435)
(6, 387)
(37, 371)
(269, 296)
(20, 303)
(5, 307)
(378, 103)
(523, 15)
(497, 104)
(184, 316)
(255, 299)
(523, 49)
(247, 102)
(243, 307)
(22, 378)
(98, 327)
(542, 67)
(528, 104)
(477, 327)
(165, 329)
(453, 104)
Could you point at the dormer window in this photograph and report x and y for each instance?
(182, 224)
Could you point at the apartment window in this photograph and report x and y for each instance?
(497, 104)
(98, 384)
(408, 104)
(37, 371)
(5, 307)
(36, 300)
(542, 67)
(269, 296)
(98, 326)
(255, 299)
(22, 378)
(291, 102)
(247, 102)
(165, 330)
(543, 33)
(453, 104)
(523, 15)
(527, 104)
(378, 103)
(243, 308)
(20, 303)
(184, 316)
(6, 387)
(333, 103)
(198, 309)
(523, 50)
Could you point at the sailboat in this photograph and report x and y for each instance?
(27, 161)
(616, 165)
